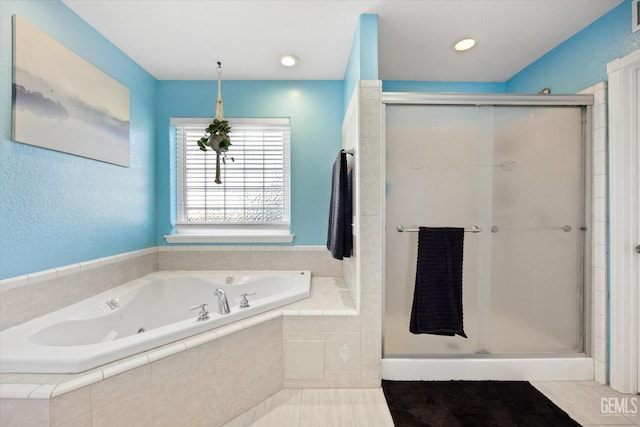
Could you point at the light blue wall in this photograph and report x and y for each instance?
(58, 209)
(363, 60)
(581, 61)
(453, 87)
(315, 110)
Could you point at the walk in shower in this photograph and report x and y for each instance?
(511, 171)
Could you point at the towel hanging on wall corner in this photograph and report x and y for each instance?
(339, 235)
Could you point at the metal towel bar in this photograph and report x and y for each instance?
(401, 229)
(565, 228)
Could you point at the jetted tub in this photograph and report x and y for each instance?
(140, 315)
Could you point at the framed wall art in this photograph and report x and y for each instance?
(62, 102)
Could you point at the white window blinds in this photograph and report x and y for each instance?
(255, 186)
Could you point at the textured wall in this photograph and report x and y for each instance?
(581, 60)
(458, 87)
(56, 208)
(363, 59)
(315, 109)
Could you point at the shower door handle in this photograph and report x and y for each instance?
(638, 249)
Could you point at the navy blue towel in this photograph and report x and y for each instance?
(339, 236)
(437, 297)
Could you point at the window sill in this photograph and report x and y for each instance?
(230, 235)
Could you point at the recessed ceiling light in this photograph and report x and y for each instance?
(464, 44)
(289, 60)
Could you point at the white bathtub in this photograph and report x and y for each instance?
(140, 315)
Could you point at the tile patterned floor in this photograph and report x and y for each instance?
(582, 400)
(367, 407)
(319, 408)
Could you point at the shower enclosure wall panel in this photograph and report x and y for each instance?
(519, 169)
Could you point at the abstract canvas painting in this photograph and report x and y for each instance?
(64, 103)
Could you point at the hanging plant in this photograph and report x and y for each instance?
(217, 133)
(216, 137)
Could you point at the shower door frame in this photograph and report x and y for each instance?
(444, 99)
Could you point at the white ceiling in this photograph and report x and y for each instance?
(183, 39)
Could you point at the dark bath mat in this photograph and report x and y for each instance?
(471, 403)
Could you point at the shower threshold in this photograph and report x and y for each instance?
(564, 367)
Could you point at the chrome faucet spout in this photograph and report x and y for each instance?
(223, 304)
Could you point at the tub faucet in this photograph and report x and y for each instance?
(223, 304)
(203, 314)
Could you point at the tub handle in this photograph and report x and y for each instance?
(204, 314)
(244, 302)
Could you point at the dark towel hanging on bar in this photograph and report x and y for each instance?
(437, 297)
(339, 236)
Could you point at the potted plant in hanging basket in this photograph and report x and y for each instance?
(217, 138)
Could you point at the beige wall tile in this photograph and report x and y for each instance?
(134, 410)
(256, 394)
(226, 260)
(293, 324)
(121, 387)
(343, 379)
(182, 260)
(296, 260)
(340, 324)
(173, 400)
(326, 265)
(304, 360)
(34, 413)
(343, 352)
(371, 276)
(210, 352)
(12, 307)
(260, 260)
(322, 336)
(83, 421)
(371, 313)
(175, 365)
(370, 378)
(371, 349)
(215, 380)
(24, 412)
(72, 405)
(600, 371)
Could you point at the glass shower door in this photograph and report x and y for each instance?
(518, 173)
(537, 241)
(434, 178)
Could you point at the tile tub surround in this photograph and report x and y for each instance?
(207, 364)
(198, 384)
(317, 259)
(26, 297)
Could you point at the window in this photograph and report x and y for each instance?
(253, 203)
